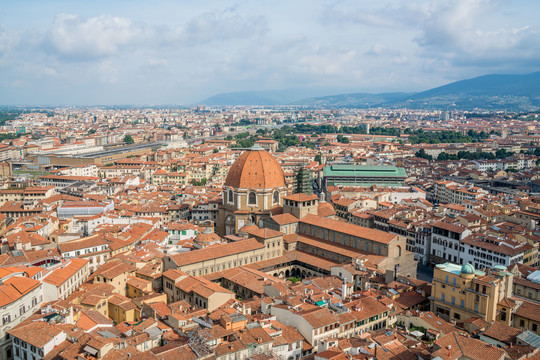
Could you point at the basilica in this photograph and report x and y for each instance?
(256, 205)
(254, 186)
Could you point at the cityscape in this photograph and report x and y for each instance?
(343, 216)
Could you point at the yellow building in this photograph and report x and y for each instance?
(27, 194)
(116, 273)
(137, 287)
(161, 176)
(196, 291)
(461, 292)
(122, 309)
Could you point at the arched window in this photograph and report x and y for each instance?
(252, 198)
(230, 197)
(276, 197)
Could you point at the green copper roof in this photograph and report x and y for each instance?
(468, 269)
(457, 269)
(365, 171)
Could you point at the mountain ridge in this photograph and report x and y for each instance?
(491, 92)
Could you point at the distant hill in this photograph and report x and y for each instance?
(494, 92)
(271, 97)
(490, 92)
(355, 100)
(488, 85)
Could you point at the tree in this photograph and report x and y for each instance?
(422, 154)
(318, 158)
(91, 131)
(215, 150)
(245, 143)
(194, 182)
(128, 139)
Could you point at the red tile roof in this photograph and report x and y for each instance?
(349, 229)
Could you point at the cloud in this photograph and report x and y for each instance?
(458, 32)
(157, 63)
(8, 39)
(188, 51)
(386, 16)
(81, 38)
(221, 25)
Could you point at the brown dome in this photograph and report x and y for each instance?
(255, 169)
(207, 237)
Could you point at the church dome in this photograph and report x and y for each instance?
(207, 237)
(255, 168)
(467, 269)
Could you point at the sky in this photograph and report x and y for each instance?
(103, 52)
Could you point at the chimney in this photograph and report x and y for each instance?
(344, 290)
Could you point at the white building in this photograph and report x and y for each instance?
(71, 209)
(20, 297)
(446, 243)
(63, 281)
(94, 248)
(181, 232)
(488, 251)
(27, 345)
(314, 325)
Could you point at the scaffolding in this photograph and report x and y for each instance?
(303, 181)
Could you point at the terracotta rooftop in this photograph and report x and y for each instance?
(301, 197)
(349, 229)
(61, 275)
(37, 333)
(214, 252)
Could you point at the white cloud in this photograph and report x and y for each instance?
(384, 16)
(220, 25)
(186, 51)
(157, 63)
(461, 32)
(8, 39)
(87, 38)
(108, 72)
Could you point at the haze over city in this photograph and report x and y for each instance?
(169, 52)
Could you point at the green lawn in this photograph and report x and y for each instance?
(30, 173)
